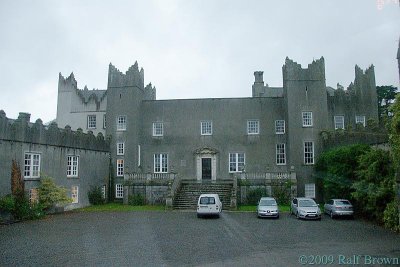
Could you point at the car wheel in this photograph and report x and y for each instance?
(277, 217)
(331, 214)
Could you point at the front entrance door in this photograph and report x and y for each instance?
(206, 168)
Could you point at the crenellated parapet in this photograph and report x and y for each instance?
(70, 84)
(133, 77)
(22, 130)
(293, 71)
(150, 92)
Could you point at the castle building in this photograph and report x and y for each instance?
(276, 130)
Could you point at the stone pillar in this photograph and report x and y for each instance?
(126, 195)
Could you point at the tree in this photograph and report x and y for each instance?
(375, 187)
(50, 194)
(386, 96)
(17, 184)
(335, 170)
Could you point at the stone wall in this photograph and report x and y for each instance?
(20, 137)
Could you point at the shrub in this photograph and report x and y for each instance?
(282, 193)
(391, 216)
(95, 196)
(136, 200)
(254, 195)
(7, 203)
(50, 194)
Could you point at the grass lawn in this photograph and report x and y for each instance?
(119, 207)
(282, 208)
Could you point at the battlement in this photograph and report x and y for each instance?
(293, 71)
(132, 77)
(70, 84)
(22, 130)
(150, 92)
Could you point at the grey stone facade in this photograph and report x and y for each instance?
(212, 139)
(42, 150)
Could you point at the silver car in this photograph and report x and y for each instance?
(305, 208)
(338, 207)
(267, 207)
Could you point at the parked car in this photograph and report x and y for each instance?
(338, 207)
(267, 207)
(209, 204)
(305, 208)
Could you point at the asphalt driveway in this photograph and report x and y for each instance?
(181, 239)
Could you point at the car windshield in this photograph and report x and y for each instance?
(267, 202)
(307, 203)
(342, 202)
(207, 200)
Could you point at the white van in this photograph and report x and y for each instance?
(209, 204)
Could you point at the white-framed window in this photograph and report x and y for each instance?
(120, 148)
(75, 194)
(121, 123)
(32, 165)
(161, 163)
(236, 162)
(72, 166)
(308, 153)
(104, 121)
(120, 167)
(119, 191)
(307, 119)
(309, 190)
(279, 126)
(253, 127)
(206, 127)
(103, 191)
(91, 121)
(280, 154)
(33, 195)
(360, 119)
(339, 122)
(158, 129)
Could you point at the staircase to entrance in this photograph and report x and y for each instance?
(190, 190)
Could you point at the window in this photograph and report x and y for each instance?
(161, 163)
(119, 191)
(33, 196)
(120, 167)
(91, 121)
(103, 191)
(307, 119)
(206, 127)
(121, 123)
(120, 148)
(253, 127)
(279, 126)
(158, 129)
(72, 166)
(308, 153)
(32, 165)
(339, 122)
(104, 121)
(75, 194)
(236, 162)
(360, 119)
(280, 154)
(309, 190)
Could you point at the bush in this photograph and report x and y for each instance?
(391, 216)
(95, 196)
(254, 195)
(136, 200)
(282, 193)
(50, 194)
(7, 203)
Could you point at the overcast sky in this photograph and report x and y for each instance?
(188, 48)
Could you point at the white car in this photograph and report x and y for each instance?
(209, 204)
(267, 207)
(305, 208)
